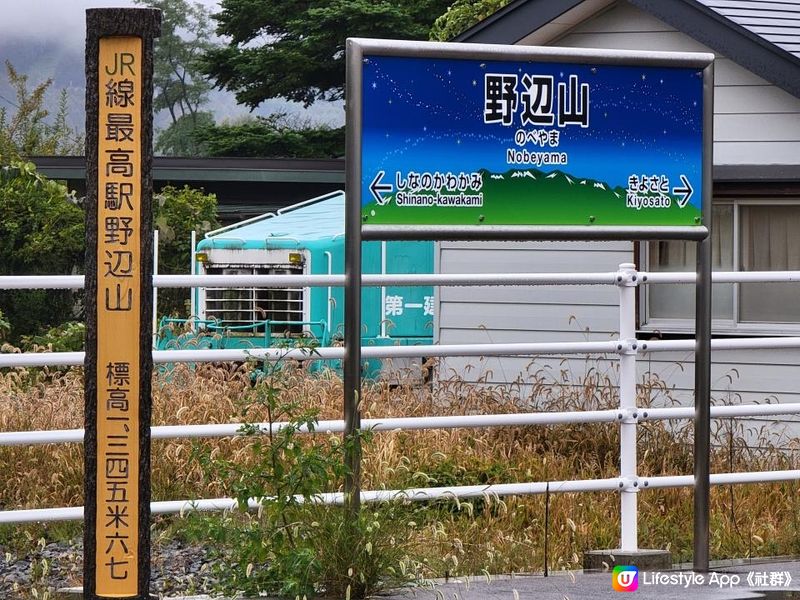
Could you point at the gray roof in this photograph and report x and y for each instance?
(762, 36)
(169, 168)
(776, 21)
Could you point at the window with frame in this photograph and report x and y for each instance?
(747, 235)
(245, 308)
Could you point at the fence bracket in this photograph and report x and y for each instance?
(630, 485)
(628, 346)
(630, 416)
(628, 277)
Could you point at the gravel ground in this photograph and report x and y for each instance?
(177, 568)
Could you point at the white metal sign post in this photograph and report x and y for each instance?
(484, 142)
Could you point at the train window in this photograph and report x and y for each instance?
(250, 310)
(282, 306)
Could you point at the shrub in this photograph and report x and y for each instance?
(296, 545)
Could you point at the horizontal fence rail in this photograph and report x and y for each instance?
(76, 282)
(612, 484)
(628, 416)
(67, 359)
(168, 432)
(43, 359)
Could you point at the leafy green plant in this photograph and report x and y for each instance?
(176, 213)
(5, 327)
(277, 135)
(296, 545)
(42, 234)
(461, 15)
(29, 131)
(67, 337)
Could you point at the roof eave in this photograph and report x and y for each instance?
(515, 21)
(519, 18)
(751, 51)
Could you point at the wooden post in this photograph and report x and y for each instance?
(119, 301)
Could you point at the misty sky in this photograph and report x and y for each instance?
(28, 23)
(56, 19)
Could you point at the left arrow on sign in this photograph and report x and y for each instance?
(377, 187)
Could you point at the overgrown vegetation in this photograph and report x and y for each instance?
(29, 130)
(42, 234)
(294, 545)
(442, 538)
(40, 220)
(67, 337)
(461, 15)
(276, 135)
(176, 213)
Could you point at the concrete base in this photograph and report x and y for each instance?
(645, 560)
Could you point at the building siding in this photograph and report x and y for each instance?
(755, 123)
(778, 22)
(760, 123)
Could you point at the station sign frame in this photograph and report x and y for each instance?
(524, 64)
(361, 183)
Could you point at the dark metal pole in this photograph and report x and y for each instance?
(352, 290)
(702, 420)
(702, 375)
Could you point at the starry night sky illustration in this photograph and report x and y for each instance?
(426, 114)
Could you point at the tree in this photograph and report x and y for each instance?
(179, 86)
(27, 131)
(462, 15)
(41, 225)
(275, 135)
(182, 139)
(303, 56)
(176, 213)
(43, 234)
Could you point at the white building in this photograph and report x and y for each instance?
(756, 206)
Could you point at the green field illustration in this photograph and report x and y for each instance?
(531, 197)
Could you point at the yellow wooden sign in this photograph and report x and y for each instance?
(118, 316)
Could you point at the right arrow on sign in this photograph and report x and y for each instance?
(685, 191)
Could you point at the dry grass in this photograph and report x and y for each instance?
(496, 535)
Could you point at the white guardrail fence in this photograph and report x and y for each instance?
(627, 416)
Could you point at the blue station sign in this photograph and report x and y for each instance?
(471, 141)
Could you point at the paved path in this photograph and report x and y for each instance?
(596, 586)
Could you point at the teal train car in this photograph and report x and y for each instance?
(303, 239)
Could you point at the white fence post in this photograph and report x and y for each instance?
(155, 289)
(194, 291)
(627, 281)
